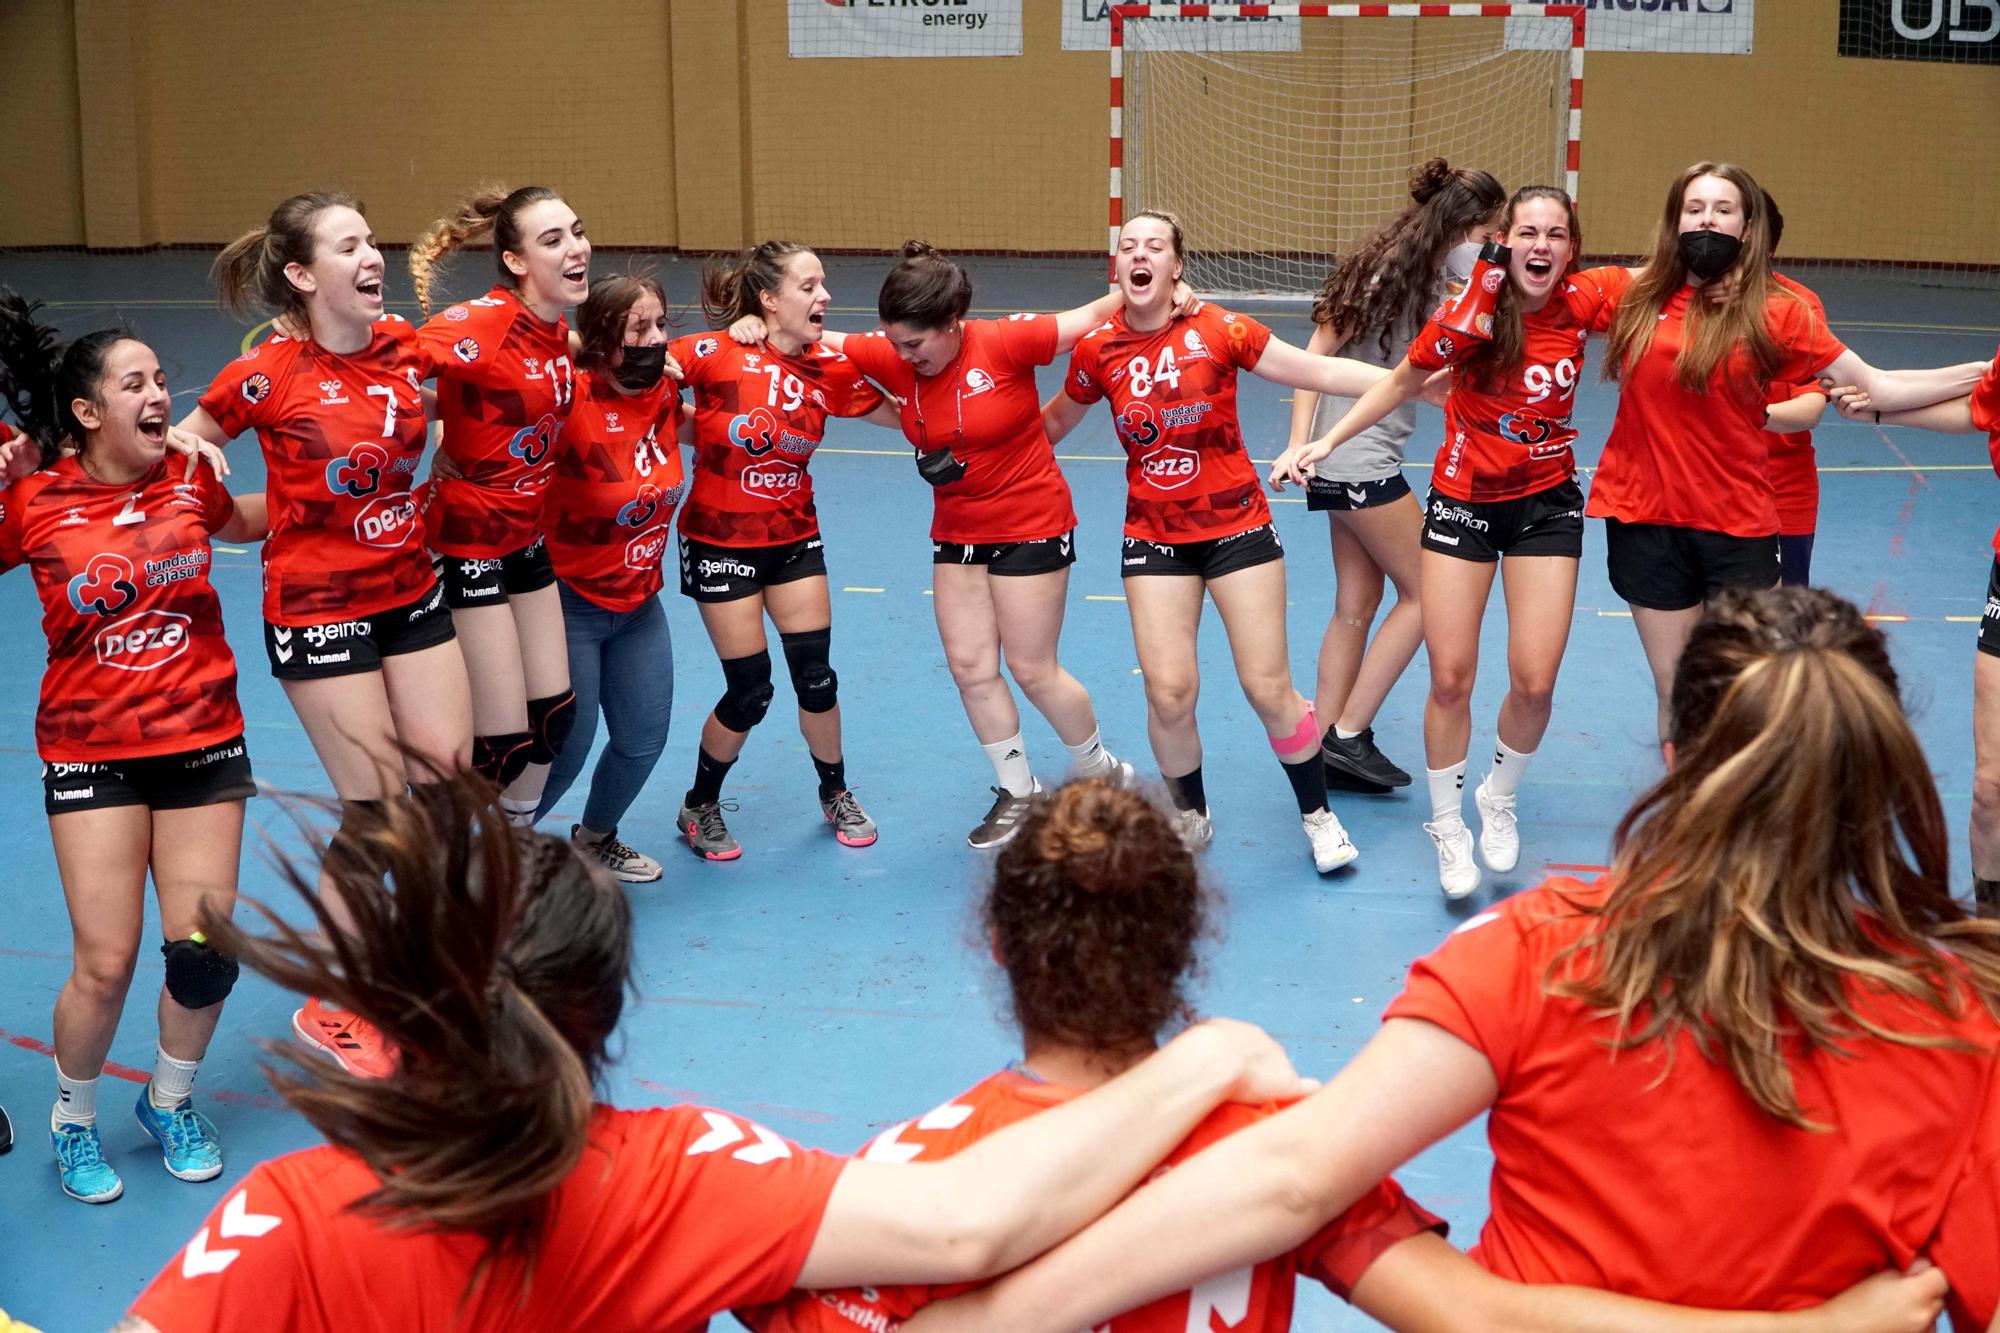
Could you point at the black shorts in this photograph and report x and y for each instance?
(1547, 522)
(1351, 495)
(1989, 623)
(181, 781)
(1209, 559)
(711, 573)
(470, 583)
(1660, 568)
(350, 647)
(1043, 555)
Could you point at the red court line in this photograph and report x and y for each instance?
(763, 1110)
(257, 1099)
(1559, 865)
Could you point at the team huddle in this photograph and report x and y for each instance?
(450, 643)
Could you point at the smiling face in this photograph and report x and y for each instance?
(1542, 244)
(645, 326)
(553, 264)
(797, 308)
(1148, 263)
(1713, 203)
(927, 350)
(126, 419)
(344, 279)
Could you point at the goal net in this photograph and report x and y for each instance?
(1278, 159)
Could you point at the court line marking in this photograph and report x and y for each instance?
(856, 589)
(1103, 597)
(1426, 467)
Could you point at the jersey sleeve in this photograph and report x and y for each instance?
(1342, 1250)
(871, 354)
(1244, 337)
(1026, 341)
(1085, 382)
(13, 503)
(218, 506)
(463, 342)
(1963, 1246)
(1986, 401)
(1479, 985)
(241, 1271)
(242, 394)
(1600, 289)
(849, 392)
(1438, 347)
(1804, 340)
(696, 354)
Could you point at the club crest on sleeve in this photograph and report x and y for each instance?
(257, 388)
(705, 346)
(458, 314)
(466, 350)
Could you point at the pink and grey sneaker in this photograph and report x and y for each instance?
(851, 825)
(705, 832)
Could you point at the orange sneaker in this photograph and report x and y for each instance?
(350, 1039)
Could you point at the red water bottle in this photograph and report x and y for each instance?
(1471, 311)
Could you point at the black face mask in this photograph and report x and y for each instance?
(1709, 254)
(642, 367)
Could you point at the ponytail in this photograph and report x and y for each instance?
(730, 292)
(927, 290)
(490, 212)
(250, 272)
(40, 377)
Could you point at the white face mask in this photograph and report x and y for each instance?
(1458, 261)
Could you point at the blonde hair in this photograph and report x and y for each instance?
(490, 211)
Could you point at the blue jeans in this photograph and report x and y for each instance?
(623, 663)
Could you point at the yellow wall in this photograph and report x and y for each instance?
(684, 123)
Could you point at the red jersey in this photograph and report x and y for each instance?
(137, 663)
(617, 480)
(1985, 406)
(342, 436)
(1251, 1300)
(758, 416)
(504, 381)
(1512, 439)
(1701, 460)
(1188, 476)
(985, 408)
(1653, 1174)
(672, 1216)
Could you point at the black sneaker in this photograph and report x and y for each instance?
(1359, 759)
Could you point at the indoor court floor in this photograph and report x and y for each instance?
(829, 991)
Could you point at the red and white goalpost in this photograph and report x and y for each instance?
(1280, 148)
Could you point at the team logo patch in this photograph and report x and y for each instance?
(144, 641)
(1493, 279)
(358, 472)
(257, 388)
(458, 314)
(1139, 425)
(387, 521)
(705, 346)
(466, 350)
(638, 512)
(531, 444)
(773, 479)
(755, 432)
(977, 381)
(1526, 428)
(1083, 379)
(1195, 346)
(1444, 346)
(105, 587)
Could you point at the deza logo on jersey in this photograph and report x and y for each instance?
(143, 641)
(773, 479)
(645, 550)
(387, 520)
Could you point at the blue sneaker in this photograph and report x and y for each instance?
(187, 1140)
(86, 1176)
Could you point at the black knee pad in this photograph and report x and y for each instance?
(500, 759)
(549, 722)
(747, 693)
(813, 679)
(197, 976)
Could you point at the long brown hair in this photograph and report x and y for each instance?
(927, 290)
(1733, 316)
(496, 962)
(491, 210)
(1490, 363)
(1387, 285)
(1794, 856)
(729, 291)
(250, 272)
(1095, 913)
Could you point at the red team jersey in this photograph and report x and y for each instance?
(504, 381)
(342, 436)
(138, 666)
(1701, 460)
(985, 408)
(611, 501)
(758, 416)
(1188, 476)
(1986, 416)
(1795, 470)
(1513, 439)
(1251, 1300)
(1658, 1177)
(671, 1216)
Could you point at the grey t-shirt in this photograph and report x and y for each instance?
(1376, 453)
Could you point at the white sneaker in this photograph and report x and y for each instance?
(1499, 831)
(1195, 828)
(621, 861)
(1331, 846)
(1458, 872)
(1120, 772)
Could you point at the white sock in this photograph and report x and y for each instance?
(1509, 767)
(173, 1080)
(521, 814)
(1343, 733)
(1091, 759)
(1010, 765)
(1447, 795)
(76, 1101)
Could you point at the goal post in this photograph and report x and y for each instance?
(1297, 141)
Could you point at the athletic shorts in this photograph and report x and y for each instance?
(1209, 559)
(350, 647)
(711, 573)
(1351, 495)
(1662, 568)
(471, 583)
(1043, 555)
(1548, 522)
(1989, 623)
(181, 781)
